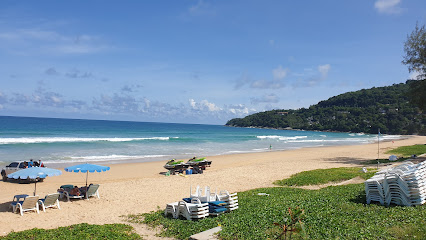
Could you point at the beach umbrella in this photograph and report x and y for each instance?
(86, 168)
(34, 173)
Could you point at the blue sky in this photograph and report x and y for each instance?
(195, 61)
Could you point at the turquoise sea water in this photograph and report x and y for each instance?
(62, 142)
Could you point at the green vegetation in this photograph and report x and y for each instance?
(408, 151)
(415, 59)
(330, 213)
(366, 110)
(369, 162)
(322, 176)
(289, 226)
(79, 231)
(403, 153)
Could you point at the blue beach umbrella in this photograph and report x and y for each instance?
(86, 168)
(34, 173)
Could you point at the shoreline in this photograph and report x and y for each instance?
(133, 188)
(146, 160)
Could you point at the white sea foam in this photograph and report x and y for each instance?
(65, 139)
(269, 137)
(390, 137)
(292, 138)
(282, 138)
(100, 158)
(331, 140)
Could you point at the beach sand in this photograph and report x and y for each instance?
(140, 187)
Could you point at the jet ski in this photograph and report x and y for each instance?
(200, 162)
(174, 165)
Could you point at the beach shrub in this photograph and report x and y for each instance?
(322, 176)
(78, 231)
(336, 212)
(290, 225)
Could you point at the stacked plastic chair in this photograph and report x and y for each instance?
(231, 200)
(191, 211)
(374, 189)
(200, 205)
(403, 185)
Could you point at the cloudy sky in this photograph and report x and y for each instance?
(195, 61)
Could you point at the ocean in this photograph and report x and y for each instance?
(66, 142)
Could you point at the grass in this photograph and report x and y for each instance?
(403, 153)
(336, 212)
(407, 151)
(369, 162)
(78, 231)
(322, 176)
(331, 213)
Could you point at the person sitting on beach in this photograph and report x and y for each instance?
(35, 164)
(75, 191)
(40, 164)
(84, 189)
(31, 163)
(25, 164)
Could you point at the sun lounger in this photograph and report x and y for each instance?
(92, 191)
(64, 192)
(50, 201)
(191, 211)
(29, 204)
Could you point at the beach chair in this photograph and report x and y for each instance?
(29, 204)
(92, 191)
(65, 193)
(50, 201)
(191, 211)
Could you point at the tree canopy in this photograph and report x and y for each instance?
(415, 52)
(415, 59)
(366, 110)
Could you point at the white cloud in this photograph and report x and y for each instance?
(38, 41)
(388, 6)
(323, 69)
(239, 109)
(279, 73)
(267, 98)
(267, 84)
(414, 75)
(310, 77)
(204, 105)
(201, 8)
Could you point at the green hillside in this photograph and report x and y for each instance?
(366, 110)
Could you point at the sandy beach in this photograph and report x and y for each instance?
(141, 187)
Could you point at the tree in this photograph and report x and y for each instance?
(415, 52)
(415, 59)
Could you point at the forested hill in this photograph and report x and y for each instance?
(365, 110)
